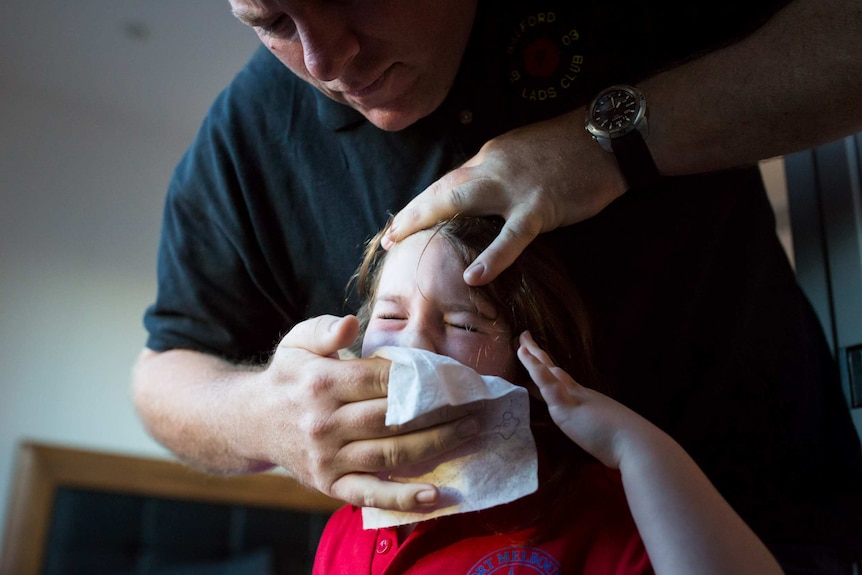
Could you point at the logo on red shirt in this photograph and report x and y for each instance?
(516, 561)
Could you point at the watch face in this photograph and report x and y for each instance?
(616, 111)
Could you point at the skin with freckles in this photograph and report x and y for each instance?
(393, 65)
(414, 296)
(421, 304)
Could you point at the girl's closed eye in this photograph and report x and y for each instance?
(390, 316)
(468, 320)
(386, 309)
(463, 326)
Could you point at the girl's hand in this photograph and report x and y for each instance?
(685, 523)
(604, 428)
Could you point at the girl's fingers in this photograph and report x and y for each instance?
(526, 340)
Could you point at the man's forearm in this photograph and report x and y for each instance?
(189, 402)
(793, 84)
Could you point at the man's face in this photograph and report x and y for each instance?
(423, 302)
(392, 60)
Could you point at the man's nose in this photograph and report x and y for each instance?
(328, 44)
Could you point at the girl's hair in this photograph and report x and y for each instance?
(534, 293)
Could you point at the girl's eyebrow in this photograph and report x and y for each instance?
(463, 308)
(389, 298)
(472, 309)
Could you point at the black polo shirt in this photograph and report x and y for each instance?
(699, 323)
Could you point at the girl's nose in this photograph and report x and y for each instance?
(417, 336)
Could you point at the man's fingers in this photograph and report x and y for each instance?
(341, 380)
(323, 335)
(366, 490)
(458, 192)
(423, 211)
(365, 419)
(384, 454)
(516, 235)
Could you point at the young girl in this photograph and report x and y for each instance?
(616, 496)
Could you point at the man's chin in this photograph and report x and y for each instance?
(393, 120)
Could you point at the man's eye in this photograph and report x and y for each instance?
(463, 326)
(281, 26)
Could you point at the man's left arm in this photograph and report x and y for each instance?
(794, 83)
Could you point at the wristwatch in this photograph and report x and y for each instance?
(617, 120)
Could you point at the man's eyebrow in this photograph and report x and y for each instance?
(249, 17)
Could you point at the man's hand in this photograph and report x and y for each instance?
(319, 417)
(538, 178)
(337, 441)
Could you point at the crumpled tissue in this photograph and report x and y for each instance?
(498, 466)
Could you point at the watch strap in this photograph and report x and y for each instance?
(635, 160)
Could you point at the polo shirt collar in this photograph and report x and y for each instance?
(334, 115)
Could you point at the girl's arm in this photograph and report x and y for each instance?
(686, 525)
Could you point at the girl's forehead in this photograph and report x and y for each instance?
(418, 259)
(426, 265)
(423, 248)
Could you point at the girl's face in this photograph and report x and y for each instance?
(423, 302)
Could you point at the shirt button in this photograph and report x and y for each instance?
(383, 546)
(465, 117)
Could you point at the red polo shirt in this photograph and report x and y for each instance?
(598, 537)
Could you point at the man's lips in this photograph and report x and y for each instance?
(365, 90)
(360, 92)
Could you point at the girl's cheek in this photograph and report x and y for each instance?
(375, 339)
(474, 351)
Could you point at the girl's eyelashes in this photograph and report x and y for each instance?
(465, 327)
(389, 310)
(458, 317)
(385, 316)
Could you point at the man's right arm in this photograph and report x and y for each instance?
(187, 401)
(319, 417)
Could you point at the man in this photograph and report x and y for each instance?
(699, 323)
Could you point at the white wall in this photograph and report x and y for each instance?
(80, 200)
(82, 180)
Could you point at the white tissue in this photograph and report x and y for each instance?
(498, 466)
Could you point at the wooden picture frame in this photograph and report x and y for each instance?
(41, 469)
